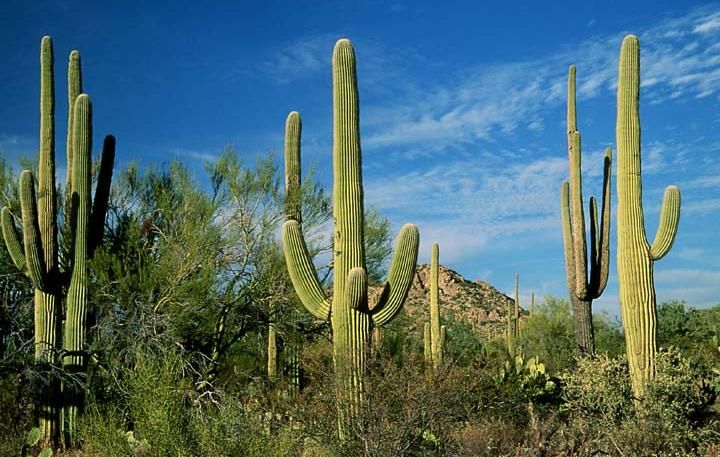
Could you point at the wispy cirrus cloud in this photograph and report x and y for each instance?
(680, 58)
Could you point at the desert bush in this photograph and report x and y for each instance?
(549, 334)
(598, 390)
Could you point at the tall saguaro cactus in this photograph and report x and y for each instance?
(36, 252)
(350, 313)
(635, 256)
(513, 319)
(583, 290)
(435, 337)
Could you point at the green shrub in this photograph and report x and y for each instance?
(598, 390)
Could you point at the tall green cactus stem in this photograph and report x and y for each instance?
(76, 320)
(436, 340)
(635, 256)
(516, 317)
(272, 350)
(581, 288)
(513, 318)
(36, 251)
(427, 350)
(532, 303)
(351, 315)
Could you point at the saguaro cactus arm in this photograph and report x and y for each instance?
(46, 210)
(74, 89)
(102, 194)
(293, 131)
(600, 236)
(669, 221)
(578, 217)
(13, 241)
(567, 234)
(400, 276)
(31, 231)
(302, 271)
(356, 288)
(585, 287)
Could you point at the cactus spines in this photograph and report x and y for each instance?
(583, 288)
(39, 256)
(436, 339)
(351, 316)
(635, 256)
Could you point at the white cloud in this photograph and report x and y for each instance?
(696, 287)
(680, 59)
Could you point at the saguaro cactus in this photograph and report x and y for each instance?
(36, 251)
(436, 333)
(583, 290)
(513, 319)
(351, 315)
(635, 256)
(272, 347)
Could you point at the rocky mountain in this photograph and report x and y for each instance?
(476, 302)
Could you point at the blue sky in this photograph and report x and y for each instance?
(462, 109)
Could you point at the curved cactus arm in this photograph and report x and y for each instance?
(102, 194)
(356, 288)
(31, 231)
(600, 268)
(567, 236)
(594, 236)
(13, 241)
(402, 271)
(302, 271)
(669, 220)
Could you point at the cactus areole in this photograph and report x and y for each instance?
(635, 256)
(351, 315)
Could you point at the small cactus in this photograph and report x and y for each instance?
(434, 332)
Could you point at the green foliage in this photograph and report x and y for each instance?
(609, 337)
(599, 390)
(549, 334)
(668, 420)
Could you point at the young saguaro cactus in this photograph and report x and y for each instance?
(37, 254)
(635, 256)
(583, 290)
(435, 337)
(513, 319)
(351, 315)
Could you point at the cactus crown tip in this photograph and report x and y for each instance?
(74, 54)
(343, 48)
(46, 40)
(630, 40)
